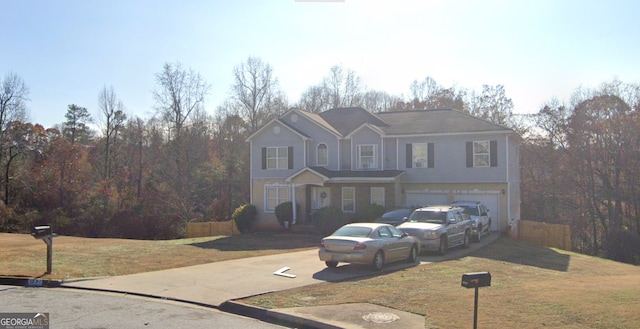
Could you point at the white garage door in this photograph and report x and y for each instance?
(489, 200)
(426, 199)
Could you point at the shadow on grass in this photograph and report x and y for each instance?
(262, 241)
(523, 253)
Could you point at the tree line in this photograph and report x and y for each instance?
(146, 177)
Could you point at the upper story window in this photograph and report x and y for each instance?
(367, 156)
(482, 154)
(277, 157)
(322, 155)
(420, 155)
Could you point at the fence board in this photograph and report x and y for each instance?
(550, 235)
(195, 230)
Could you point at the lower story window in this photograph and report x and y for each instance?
(348, 199)
(275, 195)
(377, 196)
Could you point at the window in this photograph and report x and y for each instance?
(277, 158)
(348, 199)
(367, 157)
(482, 154)
(377, 196)
(275, 195)
(322, 155)
(420, 155)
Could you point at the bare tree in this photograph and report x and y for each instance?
(114, 117)
(13, 96)
(421, 91)
(314, 99)
(253, 87)
(180, 92)
(343, 87)
(493, 105)
(380, 101)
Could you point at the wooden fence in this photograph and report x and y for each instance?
(195, 230)
(550, 235)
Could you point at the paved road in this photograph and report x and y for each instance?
(69, 309)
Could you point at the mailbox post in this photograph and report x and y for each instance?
(45, 233)
(476, 280)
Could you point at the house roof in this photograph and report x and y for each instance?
(347, 119)
(420, 122)
(436, 122)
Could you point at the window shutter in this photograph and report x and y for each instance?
(409, 156)
(493, 153)
(264, 158)
(430, 158)
(469, 154)
(290, 156)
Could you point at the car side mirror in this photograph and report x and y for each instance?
(404, 235)
(452, 221)
(483, 214)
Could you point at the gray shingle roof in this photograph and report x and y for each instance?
(435, 122)
(439, 121)
(345, 120)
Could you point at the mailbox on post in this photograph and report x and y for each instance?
(41, 232)
(45, 233)
(476, 280)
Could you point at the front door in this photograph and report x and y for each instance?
(320, 197)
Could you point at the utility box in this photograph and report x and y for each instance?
(476, 280)
(41, 232)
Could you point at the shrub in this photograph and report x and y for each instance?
(328, 219)
(284, 213)
(244, 216)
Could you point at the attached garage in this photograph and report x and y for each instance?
(423, 199)
(491, 199)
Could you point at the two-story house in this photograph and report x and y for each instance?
(349, 157)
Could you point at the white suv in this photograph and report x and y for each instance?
(479, 216)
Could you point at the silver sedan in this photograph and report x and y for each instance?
(370, 244)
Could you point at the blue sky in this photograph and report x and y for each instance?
(67, 51)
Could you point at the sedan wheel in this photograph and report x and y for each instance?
(378, 261)
(331, 264)
(413, 255)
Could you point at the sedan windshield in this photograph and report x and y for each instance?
(436, 217)
(355, 231)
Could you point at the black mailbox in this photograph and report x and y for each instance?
(476, 280)
(41, 232)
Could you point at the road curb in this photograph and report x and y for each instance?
(30, 282)
(274, 317)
